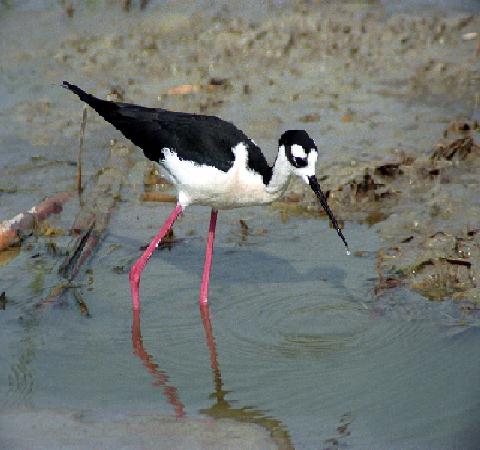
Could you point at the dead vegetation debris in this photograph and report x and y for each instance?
(89, 226)
(439, 266)
(459, 150)
(441, 258)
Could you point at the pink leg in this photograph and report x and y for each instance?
(208, 259)
(138, 267)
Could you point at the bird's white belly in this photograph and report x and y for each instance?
(207, 185)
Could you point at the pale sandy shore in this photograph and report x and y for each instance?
(27, 429)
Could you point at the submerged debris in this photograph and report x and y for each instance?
(440, 266)
(23, 224)
(81, 303)
(460, 149)
(91, 222)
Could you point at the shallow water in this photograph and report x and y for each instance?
(300, 341)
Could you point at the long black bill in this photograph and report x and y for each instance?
(312, 180)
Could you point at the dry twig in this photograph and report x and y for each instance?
(80, 151)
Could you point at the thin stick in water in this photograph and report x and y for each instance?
(80, 151)
(81, 303)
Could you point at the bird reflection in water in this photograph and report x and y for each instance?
(161, 378)
(221, 409)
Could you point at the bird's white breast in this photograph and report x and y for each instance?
(207, 185)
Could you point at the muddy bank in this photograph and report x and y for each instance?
(435, 250)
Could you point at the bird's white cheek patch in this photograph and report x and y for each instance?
(298, 151)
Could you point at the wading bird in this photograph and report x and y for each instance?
(211, 162)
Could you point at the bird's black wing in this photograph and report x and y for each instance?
(202, 139)
(210, 140)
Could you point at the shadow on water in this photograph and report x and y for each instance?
(221, 408)
(251, 265)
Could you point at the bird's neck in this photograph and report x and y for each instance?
(281, 173)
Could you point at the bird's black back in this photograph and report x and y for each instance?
(205, 140)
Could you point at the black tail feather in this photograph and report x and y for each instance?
(87, 98)
(137, 123)
(103, 107)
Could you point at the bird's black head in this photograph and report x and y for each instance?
(301, 153)
(298, 144)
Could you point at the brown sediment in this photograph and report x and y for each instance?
(440, 257)
(155, 196)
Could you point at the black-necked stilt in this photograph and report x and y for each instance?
(211, 162)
